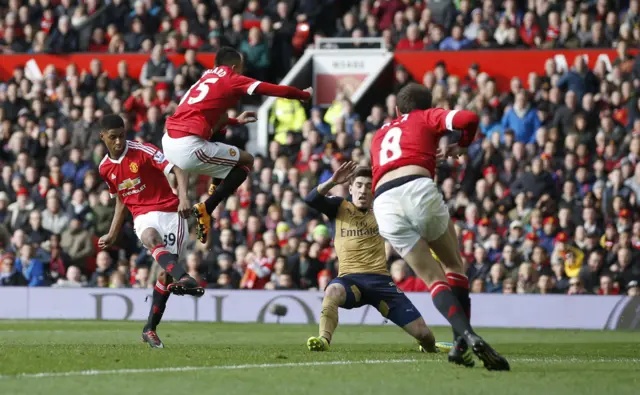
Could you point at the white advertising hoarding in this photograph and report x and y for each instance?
(506, 311)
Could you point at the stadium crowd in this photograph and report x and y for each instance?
(545, 202)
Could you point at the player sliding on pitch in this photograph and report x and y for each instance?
(363, 278)
(202, 112)
(413, 217)
(136, 176)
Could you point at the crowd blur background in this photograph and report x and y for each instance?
(545, 202)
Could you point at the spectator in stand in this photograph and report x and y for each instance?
(157, 69)
(256, 54)
(521, 119)
(77, 242)
(9, 274)
(63, 39)
(456, 42)
(412, 41)
(31, 268)
(73, 279)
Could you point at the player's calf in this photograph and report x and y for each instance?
(159, 300)
(423, 335)
(334, 296)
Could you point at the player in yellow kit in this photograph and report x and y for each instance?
(363, 277)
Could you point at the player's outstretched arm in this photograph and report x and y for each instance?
(184, 208)
(116, 225)
(317, 198)
(465, 122)
(284, 91)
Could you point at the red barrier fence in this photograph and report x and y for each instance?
(82, 60)
(500, 64)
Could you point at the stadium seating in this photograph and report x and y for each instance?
(546, 202)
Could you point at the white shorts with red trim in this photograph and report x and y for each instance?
(196, 155)
(172, 228)
(409, 212)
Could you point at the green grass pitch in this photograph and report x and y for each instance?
(84, 358)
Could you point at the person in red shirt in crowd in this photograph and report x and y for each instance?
(136, 176)
(529, 29)
(162, 100)
(259, 268)
(403, 281)
(412, 41)
(607, 286)
(412, 215)
(203, 111)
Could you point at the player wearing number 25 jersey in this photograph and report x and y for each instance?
(412, 216)
(202, 112)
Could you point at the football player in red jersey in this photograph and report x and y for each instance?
(136, 176)
(202, 112)
(411, 213)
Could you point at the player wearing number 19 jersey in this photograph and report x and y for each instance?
(136, 176)
(412, 216)
(202, 112)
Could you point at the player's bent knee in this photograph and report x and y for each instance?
(246, 159)
(336, 291)
(151, 238)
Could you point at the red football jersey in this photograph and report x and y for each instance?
(413, 139)
(204, 106)
(139, 178)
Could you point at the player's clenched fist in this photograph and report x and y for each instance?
(184, 209)
(106, 241)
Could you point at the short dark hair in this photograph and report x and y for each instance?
(413, 97)
(111, 121)
(227, 56)
(362, 171)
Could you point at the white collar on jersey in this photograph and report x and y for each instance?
(117, 161)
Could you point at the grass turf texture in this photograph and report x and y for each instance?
(543, 362)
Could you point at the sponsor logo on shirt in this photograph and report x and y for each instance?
(128, 183)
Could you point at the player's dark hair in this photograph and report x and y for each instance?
(362, 171)
(111, 121)
(227, 56)
(413, 97)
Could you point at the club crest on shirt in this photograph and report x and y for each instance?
(232, 152)
(133, 167)
(113, 176)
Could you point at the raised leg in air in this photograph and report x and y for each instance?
(225, 188)
(184, 284)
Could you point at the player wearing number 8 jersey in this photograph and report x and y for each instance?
(202, 112)
(136, 176)
(411, 213)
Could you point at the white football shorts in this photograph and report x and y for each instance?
(411, 211)
(194, 154)
(172, 228)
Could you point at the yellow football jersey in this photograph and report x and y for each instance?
(358, 244)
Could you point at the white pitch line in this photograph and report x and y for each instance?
(295, 364)
(205, 368)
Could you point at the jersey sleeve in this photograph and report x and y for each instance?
(158, 160)
(462, 123)
(243, 85)
(327, 205)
